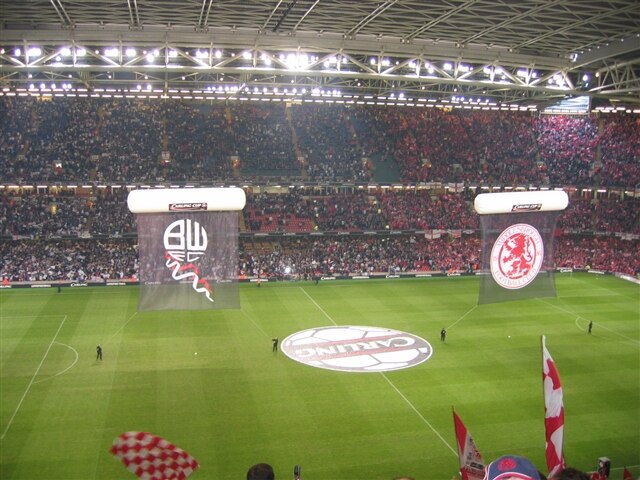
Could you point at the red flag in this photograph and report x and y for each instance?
(553, 413)
(471, 462)
(626, 474)
(152, 458)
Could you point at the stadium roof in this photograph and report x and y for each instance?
(529, 52)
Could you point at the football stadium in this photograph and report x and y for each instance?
(320, 240)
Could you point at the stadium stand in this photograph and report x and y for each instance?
(108, 144)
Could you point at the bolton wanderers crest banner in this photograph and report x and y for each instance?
(517, 244)
(188, 256)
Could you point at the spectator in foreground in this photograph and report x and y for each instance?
(261, 471)
(570, 473)
(511, 467)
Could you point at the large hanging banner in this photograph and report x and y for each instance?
(517, 244)
(188, 247)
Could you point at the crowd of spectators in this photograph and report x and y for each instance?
(347, 212)
(47, 140)
(199, 140)
(422, 210)
(304, 257)
(567, 147)
(599, 234)
(43, 215)
(276, 213)
(619, 143)
(263, 139)
(329, 143)
(604, 253)
(103, 211)
(68, 260)
(133, 140)
(110, 214)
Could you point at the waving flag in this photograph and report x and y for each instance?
(553, 413)
(471, 462)
(152, 458)
(626, 474)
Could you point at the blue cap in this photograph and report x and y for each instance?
(511, 466)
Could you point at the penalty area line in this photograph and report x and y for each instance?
(24, 395)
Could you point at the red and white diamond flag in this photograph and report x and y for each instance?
(151, 457)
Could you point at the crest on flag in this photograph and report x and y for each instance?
(516, 256)
(151, 457)
(185, 242)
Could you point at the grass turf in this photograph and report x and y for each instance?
(236, 403)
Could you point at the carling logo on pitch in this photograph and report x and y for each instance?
(185, 242)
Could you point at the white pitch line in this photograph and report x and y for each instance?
(68, 368)
(125, 324)
(420, 415)
(24, 395)
(467, 313)
(319, 307)
(254, 322)
(390, 383)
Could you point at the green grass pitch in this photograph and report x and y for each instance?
(236, 403)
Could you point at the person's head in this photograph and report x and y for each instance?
(261, 471)
(570, 473)
(511, 467)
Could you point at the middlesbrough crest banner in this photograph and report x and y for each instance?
(517, 244)
(188, 252)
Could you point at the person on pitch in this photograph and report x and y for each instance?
(98, 352)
